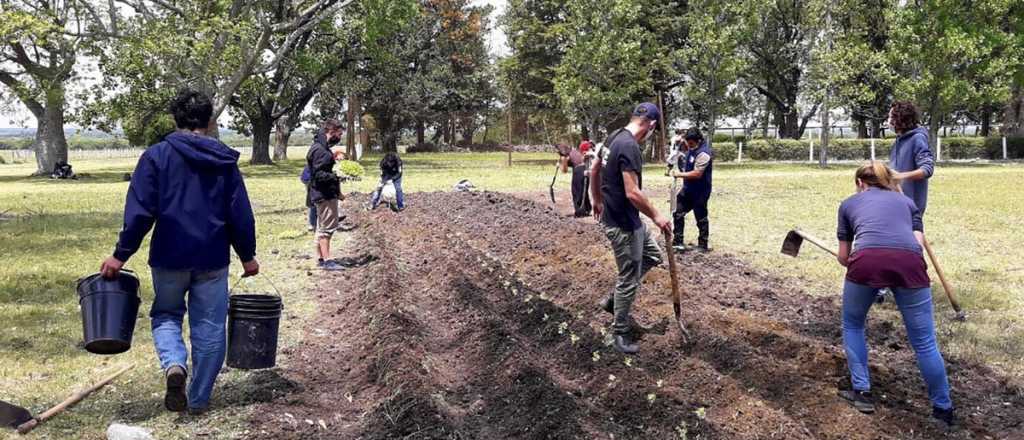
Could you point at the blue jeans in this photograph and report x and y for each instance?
(916, 307)
(399, 197)
(207, 312)
(312, 217)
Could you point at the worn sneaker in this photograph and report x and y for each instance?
(175, 399)
(196, 412)
(680, 248)
(608, 304)
(863, 401)
(946, 416)
(330, 265)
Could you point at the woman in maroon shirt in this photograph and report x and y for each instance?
(883, 229)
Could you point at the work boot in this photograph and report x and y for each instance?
(175, 399)
(704, 229)
(946, 416)
(863, 401)
(678, 227)
(608, 304)
(625, 344)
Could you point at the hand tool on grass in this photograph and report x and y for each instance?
(960, 314)
(22, 420)
(551, 188)
(796, 237)
(673, 278)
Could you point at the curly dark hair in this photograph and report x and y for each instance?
(904, 116)
(191, 109)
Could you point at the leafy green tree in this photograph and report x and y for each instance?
(951, 52)
(40, 43)
(604, 72)
(712, 60)
(274, 100)
(780, 40)
(210, 46)
(858, 65)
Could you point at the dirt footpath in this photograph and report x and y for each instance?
(479, 321)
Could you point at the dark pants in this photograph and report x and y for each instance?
(580, 193)
(684, 204)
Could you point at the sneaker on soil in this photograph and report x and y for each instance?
(946, 416)
(625, 344)
(175, 399)
(196, 412)
(863, 401)
(680, 248)
(608, 304)
(330, 265)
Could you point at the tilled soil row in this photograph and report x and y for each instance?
(479, 321)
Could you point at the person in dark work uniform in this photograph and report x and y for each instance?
(695, 168)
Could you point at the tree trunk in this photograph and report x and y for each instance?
(986, 122)
(875, 129)
(261, 127)
(421, 130)
(934, 123)
(826, 132)
(862, 126)
(51, 146)
(1013, 124)
(282, 134)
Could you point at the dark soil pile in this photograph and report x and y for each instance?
(479, 321)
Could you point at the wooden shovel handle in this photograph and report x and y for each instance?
(815, 241)
(24, 428)
(942, 276)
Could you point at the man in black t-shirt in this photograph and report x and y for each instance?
(618, 201)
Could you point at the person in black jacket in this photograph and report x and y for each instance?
(390, 171)
(189, 191)
(324, 190)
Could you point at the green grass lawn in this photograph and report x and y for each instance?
(53, 232)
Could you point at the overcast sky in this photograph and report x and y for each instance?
(499, 46)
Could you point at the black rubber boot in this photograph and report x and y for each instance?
(175, 399)
(625, 344)
(704, 230)
(863, 401)
(678, 227)
(946, 416)
(608, 304)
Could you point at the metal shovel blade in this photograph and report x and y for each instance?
(791, 245)
(13, 415)
(551, 192)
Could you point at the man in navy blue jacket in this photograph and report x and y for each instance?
(188, 189)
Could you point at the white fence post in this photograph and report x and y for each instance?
(872, 148)
(1004, 147)
(810, 150)
(739, 150)
(938, 149)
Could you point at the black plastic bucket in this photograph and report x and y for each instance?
(253, 322)
(110, 308)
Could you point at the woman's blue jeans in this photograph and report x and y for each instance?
(916, 307)
(312, 217)
(207, 307)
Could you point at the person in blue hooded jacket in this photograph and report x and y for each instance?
(189, 190)
(911, 157)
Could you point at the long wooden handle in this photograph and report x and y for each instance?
(672, 268)
(942, 276)
(75, 398)
(817, 242)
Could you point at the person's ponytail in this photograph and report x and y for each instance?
(877, 174)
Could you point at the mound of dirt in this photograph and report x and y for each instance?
(479, 321)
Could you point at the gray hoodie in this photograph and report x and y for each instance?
(909, 153)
